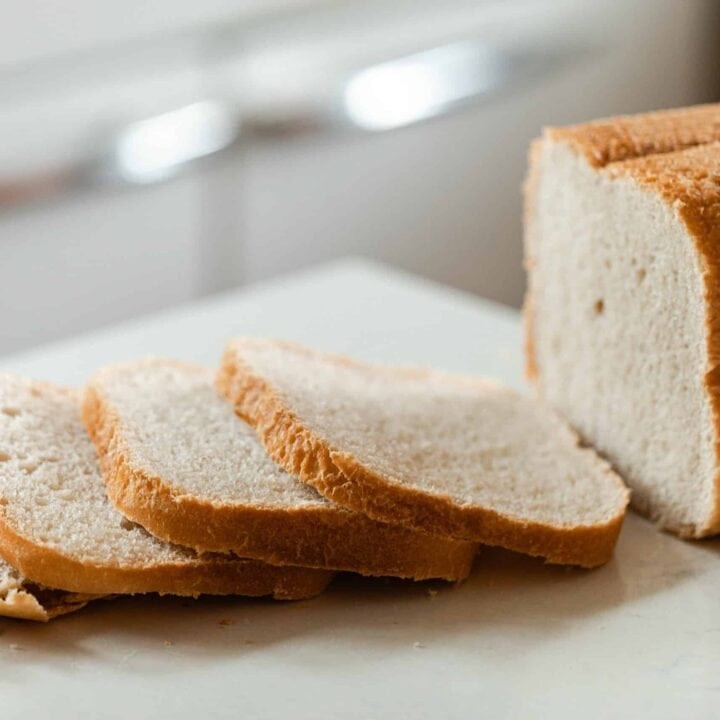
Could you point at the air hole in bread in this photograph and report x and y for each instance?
(599, 306)
(641, 274)
(3, 501)
(4, 457)
(29, 467)
(10, 411)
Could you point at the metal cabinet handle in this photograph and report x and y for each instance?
(385, 96)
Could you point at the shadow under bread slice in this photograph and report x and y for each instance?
(179, 462)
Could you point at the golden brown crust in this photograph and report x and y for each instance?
(625, 137)
(209, 575)
(689, 181)
(342, 479)
(529, 192)
(320, 536)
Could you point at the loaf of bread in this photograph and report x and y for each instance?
(59, 530)
(623, 307)
(449, 455)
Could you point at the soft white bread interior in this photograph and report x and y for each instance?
(622, 313)
(446, 454)
(58, 528)
(177, 460)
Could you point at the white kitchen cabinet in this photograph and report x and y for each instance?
(444, 199)
(441, 199)
(82, 259)
(99, 258)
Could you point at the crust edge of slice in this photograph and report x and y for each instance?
(218, 576)
(341, 544)
(342, 479)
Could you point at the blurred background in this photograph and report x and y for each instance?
(153, 153)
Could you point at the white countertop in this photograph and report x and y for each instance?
(637, 638)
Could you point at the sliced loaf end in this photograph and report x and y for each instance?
(622, 241)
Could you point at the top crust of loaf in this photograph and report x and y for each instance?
(632, 136)
(58, 529)
(337, 472)
(178, 461)
(675, 154)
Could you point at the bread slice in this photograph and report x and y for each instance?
(24, 600)
(450, 455)
(178, 461)
(58, 528)
(622, 314)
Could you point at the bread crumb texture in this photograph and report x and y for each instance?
(446, 454)
(58, 527)
(622, 316)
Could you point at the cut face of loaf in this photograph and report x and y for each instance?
(446, 454)
(623, 310)
(24, 600)
(178, 461)
(58, 528)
